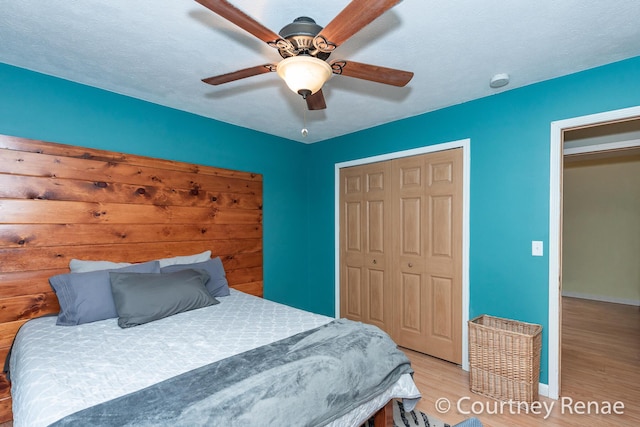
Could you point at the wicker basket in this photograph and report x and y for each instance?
(504, 358)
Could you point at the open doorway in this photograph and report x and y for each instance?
(600, 328)
(601, 208)
(559, 132)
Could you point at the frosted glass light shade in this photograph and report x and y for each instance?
(302, 73)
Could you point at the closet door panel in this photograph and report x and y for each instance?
(353, 295)
(366, 245)
(377, 245)
(353, 227)
(375, 227)
(410, 226)
(441, 289)
(444, 254)
(410, 209)
(352, 283)
(441, 226)
(427, 212)
(409, 312)
(376, 295)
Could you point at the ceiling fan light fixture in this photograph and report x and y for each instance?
(304, 74)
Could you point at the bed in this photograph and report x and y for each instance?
(61, 203)
(105, 362)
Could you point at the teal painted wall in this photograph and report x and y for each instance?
(36, 106)
(509, 135)
(509, 206)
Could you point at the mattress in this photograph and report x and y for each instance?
(58, 370)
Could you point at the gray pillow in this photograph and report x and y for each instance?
(86, 297)
(143, 298)
(217, 284)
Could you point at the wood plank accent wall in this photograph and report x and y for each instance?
(59, 202)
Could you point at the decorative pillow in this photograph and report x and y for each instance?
(83, 266)
(86, 297)
(217, 284)
(143, 298)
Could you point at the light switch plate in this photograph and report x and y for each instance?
(536, 248)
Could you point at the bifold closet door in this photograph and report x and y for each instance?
(401, 250)
(365, 293)
(427, 276)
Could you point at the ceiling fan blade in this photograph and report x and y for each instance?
(241, 19)
(374, 73)
(240, 74)
(316, 101)
(354, 17)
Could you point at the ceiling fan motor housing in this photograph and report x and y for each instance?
(301, 33)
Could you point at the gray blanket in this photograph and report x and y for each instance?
(309, 379)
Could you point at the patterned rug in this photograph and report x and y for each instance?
(413, 418)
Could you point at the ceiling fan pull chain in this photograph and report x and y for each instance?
(304, 131)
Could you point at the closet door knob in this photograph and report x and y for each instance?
(375, 262)
(410, 265)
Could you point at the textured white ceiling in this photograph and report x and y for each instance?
(159, 50)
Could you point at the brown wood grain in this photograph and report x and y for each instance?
(6, 414)
(25, 145)
(4, 352)
(59, 202)
(244, 260)
(244, 275)
(253, 288)
(43, 165)
(28, 307)
(56, 257)
(5, 386)
(384, 417)
(7, 331)
(39, 235)
(53, 212)
(5, 399)
(18, 283)
(47, 188)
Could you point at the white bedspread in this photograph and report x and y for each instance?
(58, 370)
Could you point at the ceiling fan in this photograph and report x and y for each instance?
(306, 47)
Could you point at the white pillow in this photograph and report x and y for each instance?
(82, 266)
(187, 259)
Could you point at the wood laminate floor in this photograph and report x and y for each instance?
(600, 363)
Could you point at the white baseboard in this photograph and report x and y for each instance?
(600, 298)
(543, 389)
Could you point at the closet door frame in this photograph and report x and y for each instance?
(465, 144)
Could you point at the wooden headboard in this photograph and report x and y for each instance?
(59, 202)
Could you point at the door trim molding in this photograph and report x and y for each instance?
(555, 173)
(465, 144)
